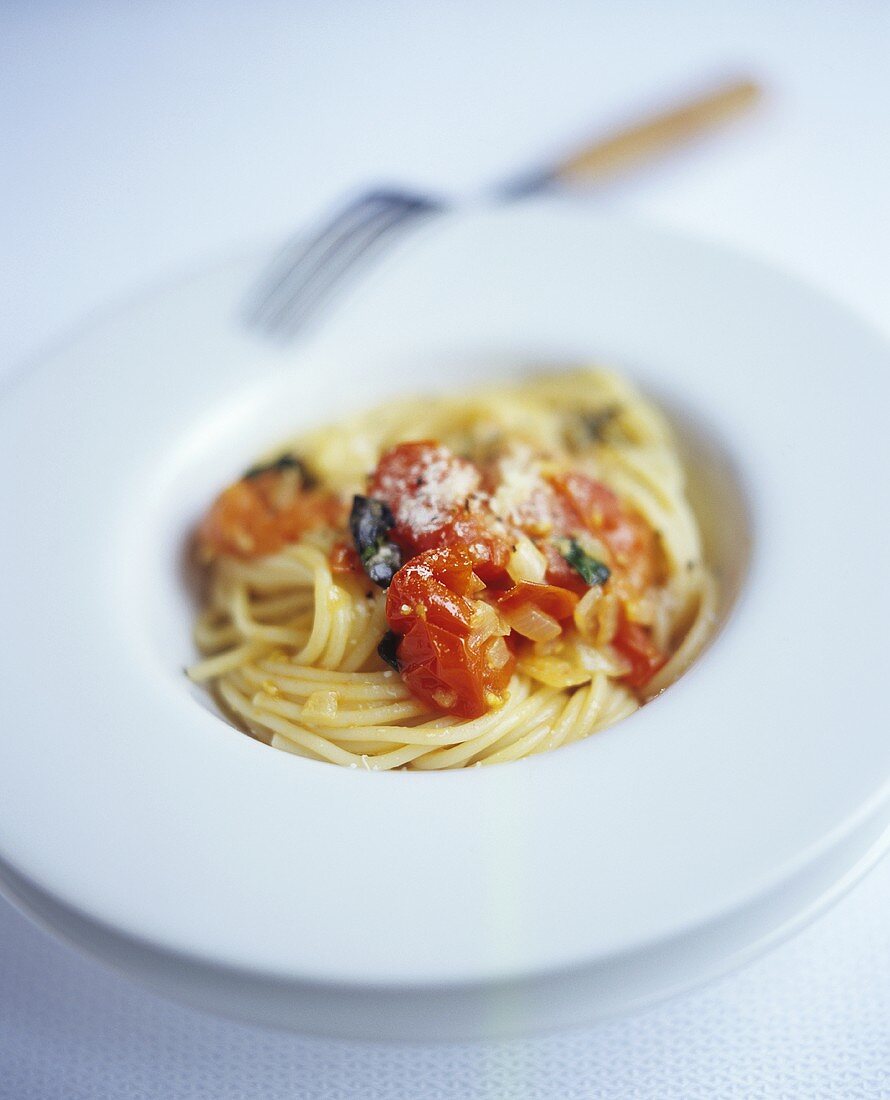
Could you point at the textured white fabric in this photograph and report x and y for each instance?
(138, 138)
(811, 1021)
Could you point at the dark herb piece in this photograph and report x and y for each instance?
(590, 568)
(284, 462)
(596, 423)
(389, 643)
(370, 521)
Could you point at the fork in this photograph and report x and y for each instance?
(304, 277)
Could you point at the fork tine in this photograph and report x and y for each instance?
(274, 283)
(298, 262)
(316, 292)
(312, 279)
(329, 259)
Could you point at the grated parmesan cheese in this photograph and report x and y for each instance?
(444, 483)
(523, 497)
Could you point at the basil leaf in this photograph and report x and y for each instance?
(590, 568)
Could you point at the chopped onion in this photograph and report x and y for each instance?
(531, 622)
(527, 563)
(555, 672)
(498, 654)
(487, 620)
(578, 667)
(607, 618)
(602, 660)
(586, 615)
(320, 705)
(553, 648)
(641, 610)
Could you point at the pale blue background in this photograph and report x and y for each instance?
(136, 139)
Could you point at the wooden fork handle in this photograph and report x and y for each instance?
(651, 137)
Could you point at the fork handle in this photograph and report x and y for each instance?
(626, 147)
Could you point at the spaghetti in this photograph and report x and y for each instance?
(456, 581)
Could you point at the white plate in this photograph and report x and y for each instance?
(543, 892)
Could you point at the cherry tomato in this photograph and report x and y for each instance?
(635, 644)
(447, 658)
(630, 541)
(430, 491)
(461, 675)
(595, 506)
(489, 550)
(434, 586)
(259, 515)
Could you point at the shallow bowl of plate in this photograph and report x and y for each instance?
(542, 893)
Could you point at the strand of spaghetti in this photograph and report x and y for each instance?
(321, 624)
(296, 687)
(222, 663)
(286, 745)
(677, 529)
(248, 627)
(340, 607)
(538, 705)
(324, 749)
(373, 748)
(567, 719)
(270, 574)
(347, 720)
(274, 666)
(210, 638)
(327, 750)
(652, 466)
(618, 703)
(589, 719)
(524, 746)
(624, 707)
(432, 734)
(367, 638)
(281, 605)
(519, 730)
(427, 734)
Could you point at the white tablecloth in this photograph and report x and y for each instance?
(137, 139)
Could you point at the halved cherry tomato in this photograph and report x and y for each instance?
(446, 656)
(434, 586)
(635, 644)
(259, 515)
(556, 602)
(461, 675)
(489, 550)
(430, 491)
(595, 506)
(630, 541)
(424, 484)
